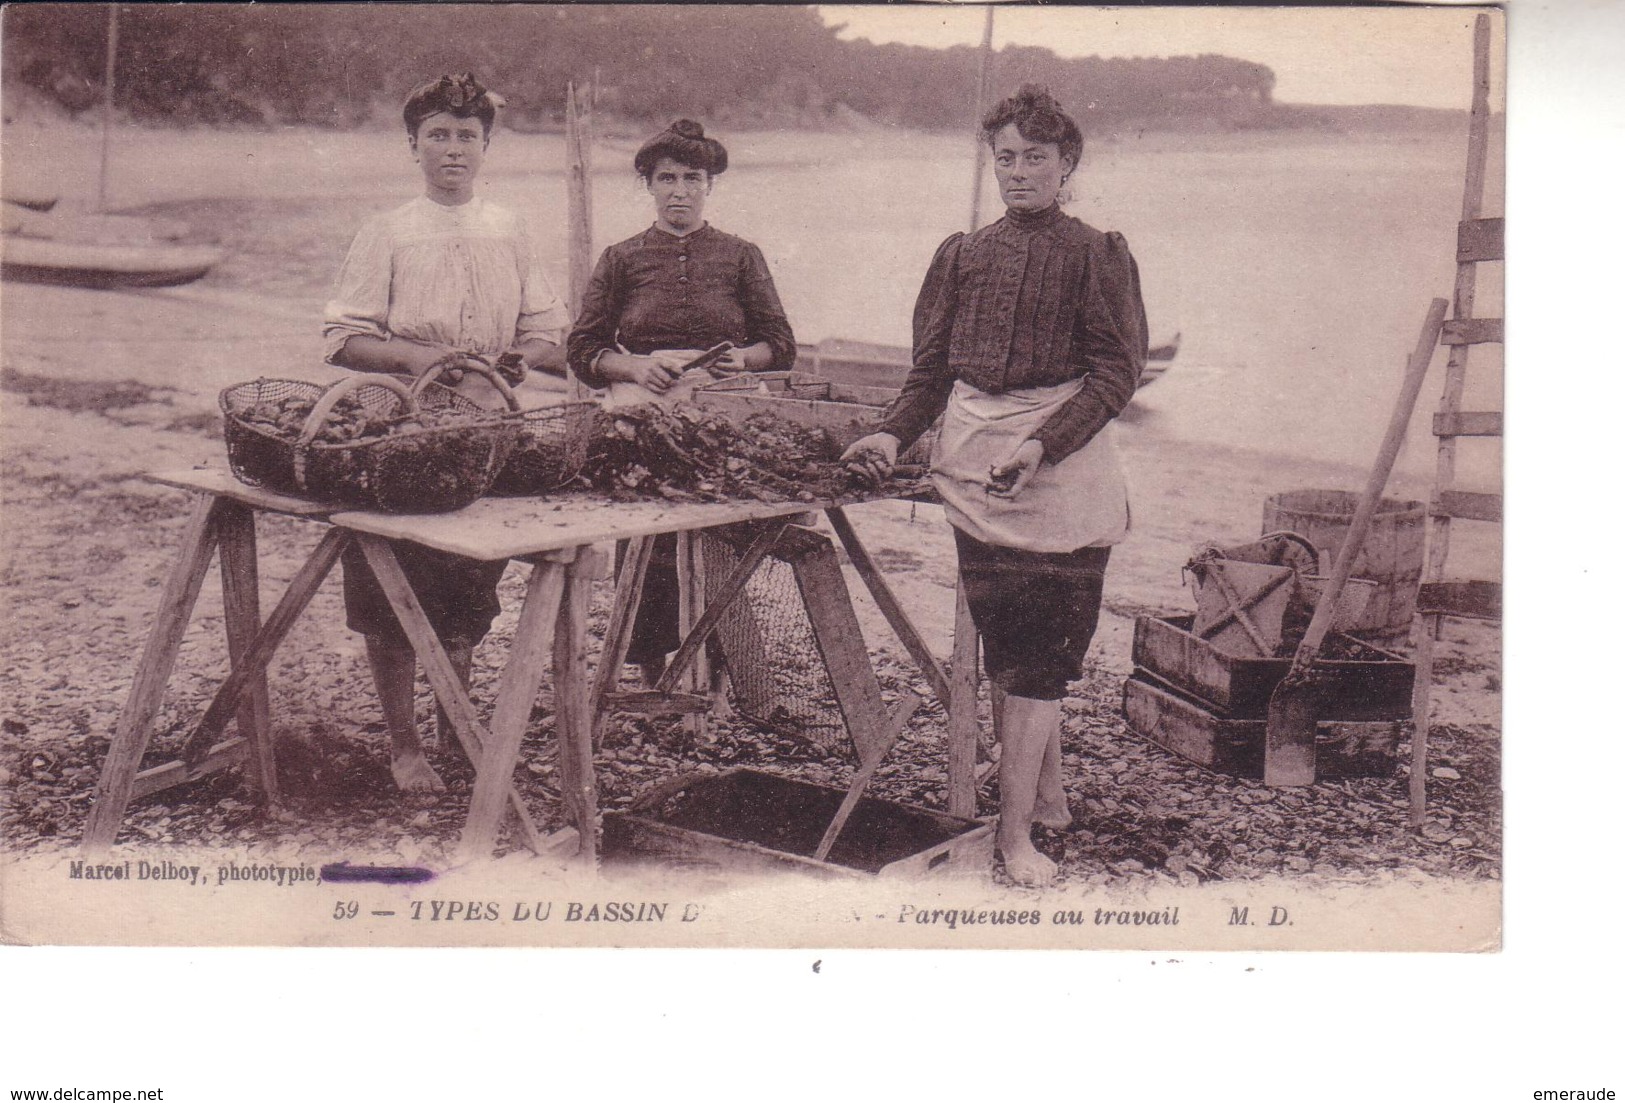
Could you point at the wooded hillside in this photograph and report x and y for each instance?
(343, 65)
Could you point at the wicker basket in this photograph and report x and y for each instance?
(551, 449)
(433, 469)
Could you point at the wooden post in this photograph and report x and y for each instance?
(151, 677)
(1455, 372)
(240, 593)
(578, 206)
(1420, 703)
(961, 701)
(962, 720)
(1430, 626)
(982, 77)
(109, 85)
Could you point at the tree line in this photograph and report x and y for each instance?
(345, 65)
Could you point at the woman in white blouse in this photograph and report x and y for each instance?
(446, 274)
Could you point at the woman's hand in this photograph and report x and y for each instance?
(461, 363)
(676, 361)
(512, 366)
(870, 459)
(1006, 480)
(655, 373)
(749, 358)
(732, 362)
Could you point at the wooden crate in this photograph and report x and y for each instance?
(747, 819)
(1343, 748)
(844, 411)
(1372, 685)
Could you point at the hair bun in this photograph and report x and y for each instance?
(683, 141)
(1036, 97)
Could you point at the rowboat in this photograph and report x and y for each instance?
(99, 251)
(101, 267)
(34, 201)
(870, 365)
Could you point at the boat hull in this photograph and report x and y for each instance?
(102, 267)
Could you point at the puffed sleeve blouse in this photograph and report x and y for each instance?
(1031, 300)
(468, 277)
(660, 291)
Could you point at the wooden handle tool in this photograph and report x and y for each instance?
(1289, 733)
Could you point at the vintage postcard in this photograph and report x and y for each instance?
(518, 475)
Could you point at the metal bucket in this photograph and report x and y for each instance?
(1392, 556)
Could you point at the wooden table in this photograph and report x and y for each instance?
(560, 538)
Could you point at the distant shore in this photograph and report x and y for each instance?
(27, 107)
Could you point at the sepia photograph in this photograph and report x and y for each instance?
(931, 477)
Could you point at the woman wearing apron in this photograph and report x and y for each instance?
(659, 300)
(1029, 338)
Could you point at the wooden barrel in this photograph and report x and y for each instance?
(1392, 555)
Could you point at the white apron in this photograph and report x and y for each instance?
(1080, 502)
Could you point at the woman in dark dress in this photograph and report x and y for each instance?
(1029, 339)
(659, 299)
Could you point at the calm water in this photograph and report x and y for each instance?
(1297, 268)
(1297, 271)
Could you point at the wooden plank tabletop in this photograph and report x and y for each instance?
(504, 528)
(221, 482)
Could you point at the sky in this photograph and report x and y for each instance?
(1419, 56)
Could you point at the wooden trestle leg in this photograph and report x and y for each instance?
(572, 716)
(962, 720)
(258, 656)
(889, 606)
(448, 690)
(696, 674)
(141, 707)
(618, 634)
(521, 679)
(240, 593)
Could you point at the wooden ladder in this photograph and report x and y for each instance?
(1478, 240)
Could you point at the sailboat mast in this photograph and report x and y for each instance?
(107, 103)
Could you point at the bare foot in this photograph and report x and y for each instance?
(1053, 815)
(413, 774)
(1026, 866)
